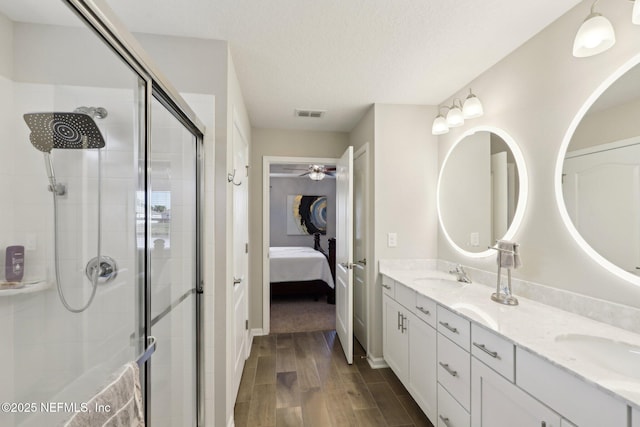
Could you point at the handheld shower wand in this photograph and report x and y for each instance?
(54, 186)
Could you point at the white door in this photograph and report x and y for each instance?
(360, 235)
(240, 257)
(601, 193)
(344, 252)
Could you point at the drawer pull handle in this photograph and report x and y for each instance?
(445, 421)
(399, 321)
(404, 328)
(446, 367)
(386, 286)
(422, 309)
(449, 327)
(482, 347)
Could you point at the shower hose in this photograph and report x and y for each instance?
(56, 237)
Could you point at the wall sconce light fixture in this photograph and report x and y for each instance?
(595, 35)
(457, 114)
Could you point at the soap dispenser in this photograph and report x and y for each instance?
(14, 264)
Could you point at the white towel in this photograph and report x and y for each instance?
(123, 397)
(508, 255)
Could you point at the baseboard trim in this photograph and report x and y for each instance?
(376, 362)
(257, 332)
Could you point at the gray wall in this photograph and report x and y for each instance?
(283, 187)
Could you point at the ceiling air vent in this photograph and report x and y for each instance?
(315, 114)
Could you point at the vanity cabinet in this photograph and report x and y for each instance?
(454, 369)
(422, 366)
(409, 345)
(578, 402)
(463, 374)
(635, 417)
(395, 337)
(498, 402)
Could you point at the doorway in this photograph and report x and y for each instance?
(297, 245)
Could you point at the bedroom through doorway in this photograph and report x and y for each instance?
(302, 231)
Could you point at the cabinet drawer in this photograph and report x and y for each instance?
(388, 286)
(454, 327)
(579, 402)
(494, 351)
(454, 370)
(425, 309)
(450, 413)
(405, 296)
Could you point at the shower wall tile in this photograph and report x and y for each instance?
(119, 164)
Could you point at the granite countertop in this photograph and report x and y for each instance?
(541, 329)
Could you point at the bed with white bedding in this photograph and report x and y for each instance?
(300, 270)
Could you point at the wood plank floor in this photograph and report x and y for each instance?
(303, 379)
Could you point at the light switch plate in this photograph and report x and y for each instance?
(392, 240)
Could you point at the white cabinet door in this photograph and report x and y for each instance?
(395, 338)
(422, 365)
(496, 402)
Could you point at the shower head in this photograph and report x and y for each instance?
(63, 130)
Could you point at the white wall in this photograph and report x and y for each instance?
(534, 94)
(281, 188)
(404, 171)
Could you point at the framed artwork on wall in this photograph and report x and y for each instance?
(306, 215)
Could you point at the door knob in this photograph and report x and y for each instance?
(237, 281)
(363, 261)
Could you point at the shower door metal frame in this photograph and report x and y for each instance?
(99, 17)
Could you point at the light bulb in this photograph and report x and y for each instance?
(455, 117)
(594, 36)
(439, 125)
(472, 107)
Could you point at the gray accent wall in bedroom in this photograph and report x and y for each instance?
(281, 188)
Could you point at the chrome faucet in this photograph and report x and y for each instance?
(461, 275)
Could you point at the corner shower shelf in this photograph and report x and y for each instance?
(27, 289)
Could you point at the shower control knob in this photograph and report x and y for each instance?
(107, 269)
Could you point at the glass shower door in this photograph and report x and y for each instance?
(173, 269)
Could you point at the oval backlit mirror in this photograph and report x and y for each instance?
(598, 175)
(482, 191)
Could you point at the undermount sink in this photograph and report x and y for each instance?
(439, 282)
(616, 356)
(438, 278)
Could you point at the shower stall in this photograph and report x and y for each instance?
(100, 183)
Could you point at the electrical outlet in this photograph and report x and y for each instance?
(474, 239)
(392, 240)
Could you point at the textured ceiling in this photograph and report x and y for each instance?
(343, 55)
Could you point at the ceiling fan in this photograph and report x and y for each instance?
(318, 172)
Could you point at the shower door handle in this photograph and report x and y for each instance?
(237, 281)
